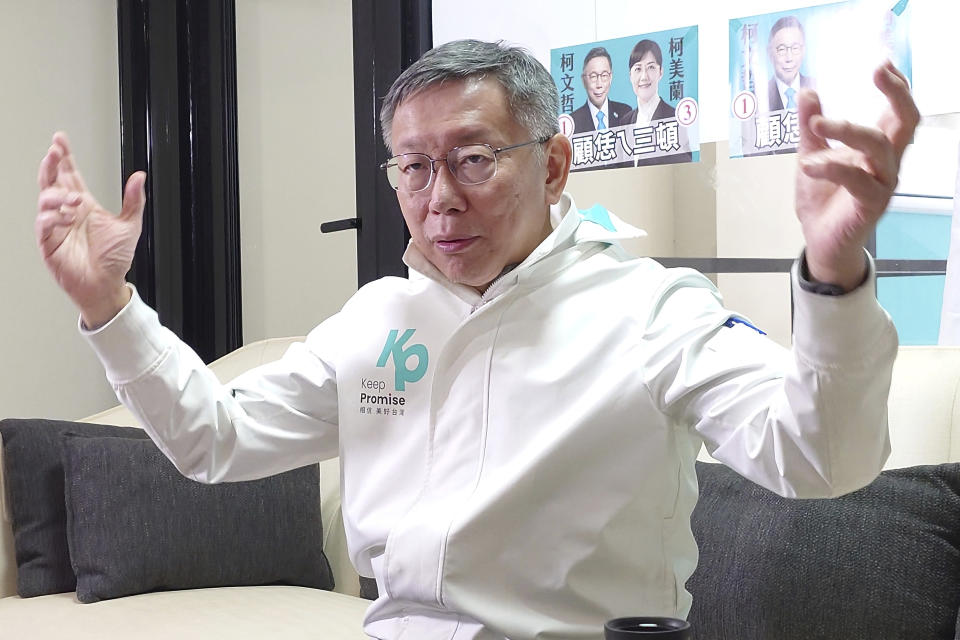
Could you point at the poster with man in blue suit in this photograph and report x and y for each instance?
(630, 102)
(827, 48)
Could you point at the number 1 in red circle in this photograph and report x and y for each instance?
(744, 105)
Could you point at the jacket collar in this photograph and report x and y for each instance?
(574, 231)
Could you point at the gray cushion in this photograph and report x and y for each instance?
(34, 485)
(880, 563)
(368, 588)
(134, 524)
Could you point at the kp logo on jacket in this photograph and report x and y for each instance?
(394, 348)
(373, 399)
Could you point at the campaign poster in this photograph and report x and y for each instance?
(630, 102)
(832, 49)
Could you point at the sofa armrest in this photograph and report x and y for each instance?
(924, 406)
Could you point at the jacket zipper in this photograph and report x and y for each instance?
(487, 296)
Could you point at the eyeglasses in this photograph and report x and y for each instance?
(795, 49)
(469, 164)
(602, 77)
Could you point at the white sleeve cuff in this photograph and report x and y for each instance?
(831, 329)
(132, 343)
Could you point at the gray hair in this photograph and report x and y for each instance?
(531, 94)
(785, 23)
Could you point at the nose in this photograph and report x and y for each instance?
(446, 194)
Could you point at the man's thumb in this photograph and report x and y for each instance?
(134, 196)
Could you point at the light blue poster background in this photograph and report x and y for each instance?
(619, 49)
(679, 64)
(844, 42)
(914, 302)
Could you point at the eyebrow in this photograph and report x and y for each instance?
(471, 135)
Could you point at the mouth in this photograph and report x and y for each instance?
(454, 245)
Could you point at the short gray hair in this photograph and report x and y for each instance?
(531, 94)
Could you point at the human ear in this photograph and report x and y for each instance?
(559, 153)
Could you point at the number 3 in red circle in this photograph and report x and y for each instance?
(687, 111)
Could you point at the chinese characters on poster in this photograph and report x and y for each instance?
(630, 101)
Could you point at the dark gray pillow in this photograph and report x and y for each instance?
(368, 588)
(880, 563)
(134, 524)
(34, 485)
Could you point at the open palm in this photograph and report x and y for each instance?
(88, 249)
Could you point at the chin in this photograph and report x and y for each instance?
(469, 279)
(475, 282)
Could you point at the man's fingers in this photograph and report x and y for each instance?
(60, 138)
(870, 193)
(57, 197)
(67, 162)
(134, 196)
(877, 150)
(51, 229)
(808, 107)
(893, 69)
(899, 123)
(49, 166)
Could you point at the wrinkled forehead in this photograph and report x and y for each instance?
(452, 112)
(468, 84)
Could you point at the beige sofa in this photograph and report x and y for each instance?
(925, 429)
(238, 613)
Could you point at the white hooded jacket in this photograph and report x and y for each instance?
(521, 464)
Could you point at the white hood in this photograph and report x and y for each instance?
(595, 228)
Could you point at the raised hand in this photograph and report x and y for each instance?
(87, 249)
(843, 191)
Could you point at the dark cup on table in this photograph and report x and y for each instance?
(648, 627)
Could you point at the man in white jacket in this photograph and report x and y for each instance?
(517, 421)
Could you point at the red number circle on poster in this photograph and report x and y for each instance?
(744, 105)
(566, 125)
(687, 111)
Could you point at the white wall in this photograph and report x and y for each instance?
(58, 62)
(295, 120)
(740, 208)
(541, 25)
(755, 219)
(645, 199)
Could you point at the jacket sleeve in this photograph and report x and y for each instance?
(279, 416)
(806, 422)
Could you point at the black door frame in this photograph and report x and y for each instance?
(178, 122)
(387, 38)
